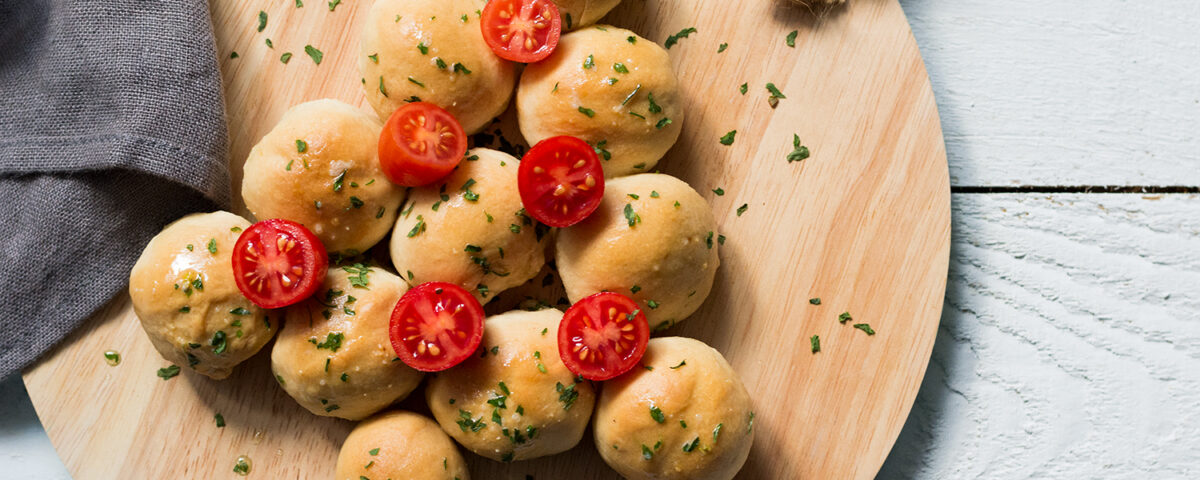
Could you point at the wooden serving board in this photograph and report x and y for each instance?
(864, 224)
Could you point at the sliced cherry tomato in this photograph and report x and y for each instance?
(278, 262)
(420, 144)
(561, 181)
(603, 336)
(521, 30)
(436, 326)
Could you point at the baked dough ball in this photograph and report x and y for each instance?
(665, 260)
(399, 445)
(470, 229)
(334, 355)
(689, 399)
(583, 90)
(517, 400)
(183, 292)
(581, 13)
(424, 49)
(320, 167)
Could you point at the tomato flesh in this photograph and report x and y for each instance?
(561, 181)
(278, 262)
(420, 143)
(603, 336)
(436, 326)
(521, 30)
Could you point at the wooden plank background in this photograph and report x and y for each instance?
(1071, 332)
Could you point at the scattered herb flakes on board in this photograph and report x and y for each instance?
(315, 54)
(673, 39)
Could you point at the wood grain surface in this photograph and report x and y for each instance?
(863, 224)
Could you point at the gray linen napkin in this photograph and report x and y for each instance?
(112, 124)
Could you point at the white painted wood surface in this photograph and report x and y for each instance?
(1069, 343)
(1071, 338)
(1079, 92)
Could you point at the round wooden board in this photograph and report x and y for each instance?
(864, 224)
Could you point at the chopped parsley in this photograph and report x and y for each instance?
(333, 4)
(220, 420)
(460, 68)
(681, 364)
(286, 57)
(313, 53)
(743, 88)
(374, 57)
(631, 94)
(302, 146)
(717, 432)
(589, 62)
(647, 454)
(358, 275)
(631, 39)
(620, 68)
(662, 123)
(727, 139)
(719, 191)
(374, 451)
(865, 327)
(708, 240)
(466, 422)
(799, 152)
(416, 82)
(673, 39)
(815, 300)
(218, 342)
(240, 311)
(333, 341)
(657, 415)
(262, 20)
(690, 446)
(722, 47)
(166, 373)
(816, 343)
(791, 38)
(566, 394)
(598, 147)
(418, 228)
(776, 95)
(587, 111)
(424, 49)
(844, 317)
(382, 89)
(467, 193)
(742, 209)
(212, 246)
(241, 467)
(654, 107)
(630, 216)
(339, 181)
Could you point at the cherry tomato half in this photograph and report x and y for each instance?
(521, 30)
(436, 326)
(278, 262)
(561, 181)
(603, 336)
(420, 144)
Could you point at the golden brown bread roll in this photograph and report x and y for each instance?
(685, 416)
(433, 50)
(319, 167)
(334, 355)
(183, 292)
(598, 85)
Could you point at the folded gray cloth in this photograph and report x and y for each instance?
(112, 124)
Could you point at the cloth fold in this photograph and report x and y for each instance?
(112, 125)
